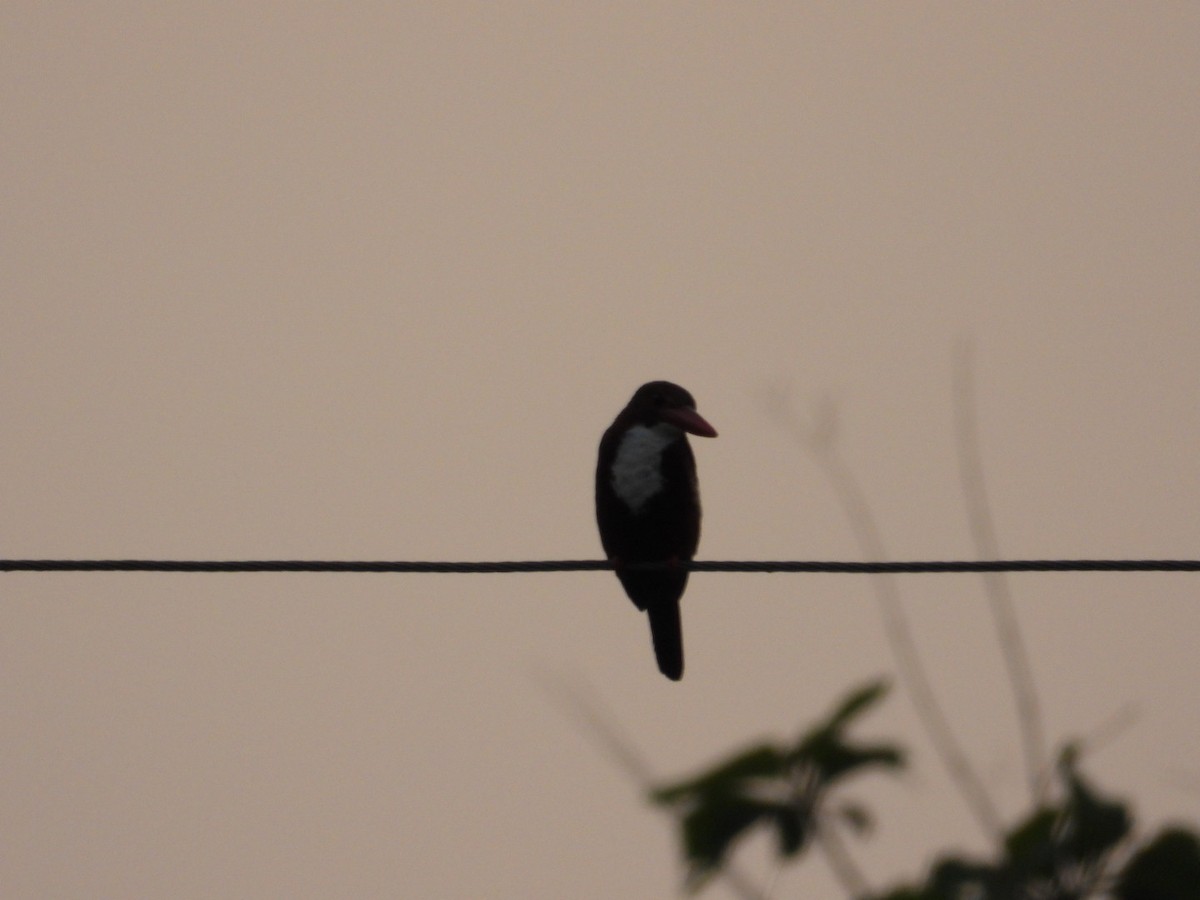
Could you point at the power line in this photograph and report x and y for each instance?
(591, 565)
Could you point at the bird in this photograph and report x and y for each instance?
(648, 506)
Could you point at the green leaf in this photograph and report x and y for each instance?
(710, 829)
(1095, 824)
(721, 804)
(956, 878)
(758, 762)
(764, 785)
(793, 827)
(830, 756)
(1030, 847)
(1168, 868)
(856, 703)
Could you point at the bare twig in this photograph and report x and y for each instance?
(996, 585)
(840, 862)
(820, 440)
(582, 704)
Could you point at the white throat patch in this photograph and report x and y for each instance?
(637, 470)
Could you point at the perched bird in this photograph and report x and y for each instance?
(648, 506)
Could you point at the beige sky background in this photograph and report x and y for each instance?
(369, 281)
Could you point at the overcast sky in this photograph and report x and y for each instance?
(369, 281)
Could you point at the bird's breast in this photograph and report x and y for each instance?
(637, 471)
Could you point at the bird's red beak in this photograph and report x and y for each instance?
(689, 420)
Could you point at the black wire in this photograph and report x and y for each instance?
(591, 565)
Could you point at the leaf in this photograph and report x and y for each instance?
(1095, 824)
(710, 829)
(724, 802)
(857, 703)
(1030, 847)
(793, 827)
(954, 878)
(1168, 868)
(764, 785)
(761, 761)
(830, 756)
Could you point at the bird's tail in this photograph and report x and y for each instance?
(666, 631)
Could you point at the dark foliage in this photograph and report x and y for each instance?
(1076, 847)
(782, 788)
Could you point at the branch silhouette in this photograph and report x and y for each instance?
(995, 584)
(820, 441)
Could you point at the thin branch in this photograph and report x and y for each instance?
(582, 704)
(840, 862)
(820, 442)
(996, 586)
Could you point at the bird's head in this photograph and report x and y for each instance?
(662, 401)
